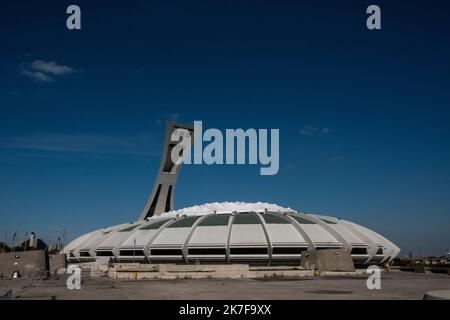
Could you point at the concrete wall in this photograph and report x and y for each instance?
(328, 260)
(135, 271)
(28, 263)
(57, 261)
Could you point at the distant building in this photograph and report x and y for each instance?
(32, 243)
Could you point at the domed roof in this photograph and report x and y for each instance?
(226, 207)
(231, 231)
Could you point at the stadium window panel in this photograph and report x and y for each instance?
(215, 220)
(302, 220)
(207, 251)
(287, 250)
(359, 251)
(248, 251)
(105, 254)
(328, 221)
(245, 218)
(155, 225)
(166, 252)
(184, 222)
(129, 228)
(131, 253)
(274, 219)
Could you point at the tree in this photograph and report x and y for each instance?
(4, 247)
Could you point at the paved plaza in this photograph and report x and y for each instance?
(394, 285)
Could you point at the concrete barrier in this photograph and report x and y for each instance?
(328, 260)
(171, 267)
(420, 270)
(57, 261)
(28, 263)
(136, 271)
(142, 275)
(203, 267)
(5, 294)
(437, 295)
(99, 271)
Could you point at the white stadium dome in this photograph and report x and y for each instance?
(231, 232)
(223, 232)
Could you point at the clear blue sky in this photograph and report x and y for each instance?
(363, 116)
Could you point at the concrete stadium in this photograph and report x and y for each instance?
(231, 232)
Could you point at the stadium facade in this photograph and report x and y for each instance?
(224, 232)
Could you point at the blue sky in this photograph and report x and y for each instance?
(363, 116)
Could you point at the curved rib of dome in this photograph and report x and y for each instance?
(230, 232)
